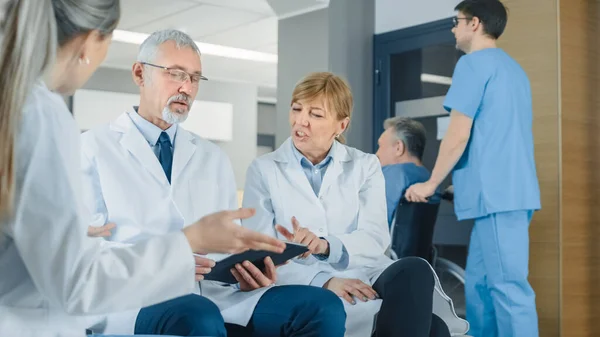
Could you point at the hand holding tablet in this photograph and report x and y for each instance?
(222, 270)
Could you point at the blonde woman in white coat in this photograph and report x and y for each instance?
(315, 190)
(50, 269)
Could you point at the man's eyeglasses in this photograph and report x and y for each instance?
(456, 19)
(179, 75)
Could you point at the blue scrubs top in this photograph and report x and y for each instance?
(497, 171)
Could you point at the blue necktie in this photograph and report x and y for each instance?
(165, 155)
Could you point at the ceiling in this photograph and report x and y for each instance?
(246, 24)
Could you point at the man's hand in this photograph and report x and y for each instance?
(302, 235)
(251, 278)
(203, 267)
(218, 233)
(420, 192)
(346, 288)
(102, 231)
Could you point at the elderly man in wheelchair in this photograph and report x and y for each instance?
(401, 148)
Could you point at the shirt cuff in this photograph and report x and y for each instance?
(338, 255)
(336, 248)
(321, 279)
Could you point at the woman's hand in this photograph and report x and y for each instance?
(203, 266)
(304, 236)
(347, 288)
(251, 278)
(102, 231)
(218, 233)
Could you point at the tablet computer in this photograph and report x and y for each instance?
(222, 270)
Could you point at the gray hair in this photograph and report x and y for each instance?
(75, 17)
(410, 132)
(149, 48)
(30, 32)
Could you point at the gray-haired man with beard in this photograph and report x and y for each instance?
(147, 175)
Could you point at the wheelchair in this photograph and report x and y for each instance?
(412, 235)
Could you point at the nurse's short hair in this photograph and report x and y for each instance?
(410, 132)
(492, 14)
(149, 48)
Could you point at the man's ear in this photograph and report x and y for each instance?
(475, 24)
(138, 74)
(400, 148)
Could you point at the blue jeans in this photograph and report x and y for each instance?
(291, 311)
(500, 300)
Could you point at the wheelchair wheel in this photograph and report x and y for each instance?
(452, 279)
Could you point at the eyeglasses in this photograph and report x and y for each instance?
(179, 75)
(456, 19)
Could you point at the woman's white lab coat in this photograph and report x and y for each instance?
(350, 206)
(51, 272)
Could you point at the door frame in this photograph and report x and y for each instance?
(398, 41)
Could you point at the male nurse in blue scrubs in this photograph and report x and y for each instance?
(489, 149)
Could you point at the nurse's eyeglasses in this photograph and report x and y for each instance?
(179, 75)
(456, 20)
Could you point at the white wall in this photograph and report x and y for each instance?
(211, 120)
(351, 29)
(242, 148)
(303, 42)
(337, 39)
(267, 119)
(391, 15)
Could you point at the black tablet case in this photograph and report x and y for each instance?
(222, 270)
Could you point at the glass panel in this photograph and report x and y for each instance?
(422, 73)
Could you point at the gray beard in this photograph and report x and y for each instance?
(173, 118)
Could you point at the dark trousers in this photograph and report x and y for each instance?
(406, 288)
(190, 315)
(291, 311)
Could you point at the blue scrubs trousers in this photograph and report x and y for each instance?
(500, 300)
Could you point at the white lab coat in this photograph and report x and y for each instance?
(350, 206)
(50, 270)
(127, 186)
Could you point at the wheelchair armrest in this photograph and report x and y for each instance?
(393, 255)
(448, 194)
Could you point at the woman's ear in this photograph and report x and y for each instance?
(344, 125)
(81, 47)
(90, 43)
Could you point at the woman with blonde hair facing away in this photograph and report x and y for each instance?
(52, 273)
(317, 191)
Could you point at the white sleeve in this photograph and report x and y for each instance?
(93, 200)
(372, 238)
(49, 226)
(257, 196)
(229, 184)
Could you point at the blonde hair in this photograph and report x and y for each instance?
(332, 89)
(30, 33)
